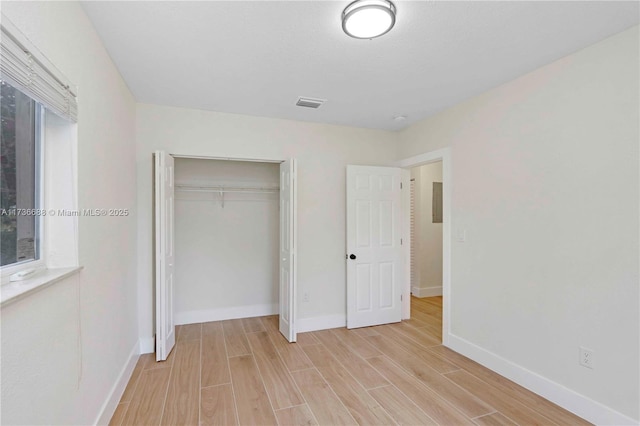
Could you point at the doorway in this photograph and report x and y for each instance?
(444, 157)
(373, 211)
(426, 222)
(225, 244)
(226, 239)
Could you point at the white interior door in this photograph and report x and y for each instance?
(288, 248)
(164, 220)
(374, 252)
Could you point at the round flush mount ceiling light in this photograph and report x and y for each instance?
(368, 18)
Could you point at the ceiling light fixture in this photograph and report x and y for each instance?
(368, 18)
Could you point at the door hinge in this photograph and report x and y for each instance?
(400, 241)
(400, 185)
(401, 298)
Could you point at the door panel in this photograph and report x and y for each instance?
(386, 223)
(374, 277)
(363, 290)
(386, 285)
(164, 254)
(288, 249)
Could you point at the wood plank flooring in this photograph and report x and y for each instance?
(243, 372)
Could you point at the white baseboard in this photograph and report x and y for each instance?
(193, 317)
(147, 345)
(304, 324)
(566, 398)
(426, 291)
(109, 406)
(321, 323)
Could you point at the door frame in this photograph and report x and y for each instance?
(443, 155)
(246, 159)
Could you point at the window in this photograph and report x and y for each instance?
(38, 213)
(20, 189)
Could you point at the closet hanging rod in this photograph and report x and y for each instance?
(218, 189)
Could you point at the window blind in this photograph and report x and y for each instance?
(437, 202)
(26, 70)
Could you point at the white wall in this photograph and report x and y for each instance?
(64, 347)
(545, 181)
(226, 256)
(429, 234)
(322, 151)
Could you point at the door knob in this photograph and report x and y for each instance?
(352, 256)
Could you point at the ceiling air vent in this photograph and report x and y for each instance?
(309, 102)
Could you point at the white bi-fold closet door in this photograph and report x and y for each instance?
(165, 253)
(233, 236)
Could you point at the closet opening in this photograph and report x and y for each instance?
(226, 239)
(227, 228)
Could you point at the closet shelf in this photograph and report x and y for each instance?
(224, 188)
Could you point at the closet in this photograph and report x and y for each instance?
(228, 233)
(226, 239)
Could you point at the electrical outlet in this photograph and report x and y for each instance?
(305, 296)
(586, 358)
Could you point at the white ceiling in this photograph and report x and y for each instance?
(256, 58)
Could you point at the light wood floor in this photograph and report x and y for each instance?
(244, 372)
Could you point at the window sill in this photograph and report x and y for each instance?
(14, 291)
